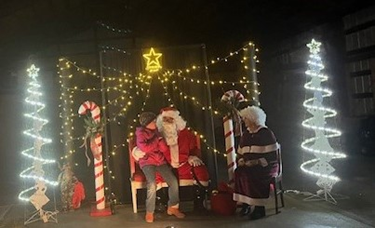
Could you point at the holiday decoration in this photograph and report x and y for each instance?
(66, 186)
(36, 153)
(128, 87)
(231, 100)
(152, 61)
(94, 133)
(318, 144)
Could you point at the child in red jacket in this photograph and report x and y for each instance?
(152, 160)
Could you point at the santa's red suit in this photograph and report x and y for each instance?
(182, 151)
(187, 151)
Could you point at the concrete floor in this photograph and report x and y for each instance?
(356, 210)
(297, 213)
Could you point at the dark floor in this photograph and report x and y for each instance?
(355, 207)
(297, 213)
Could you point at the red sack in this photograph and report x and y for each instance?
(222, 202)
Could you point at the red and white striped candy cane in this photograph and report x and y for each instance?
(98, 161)
(229, 133)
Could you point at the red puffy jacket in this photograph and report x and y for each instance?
(150, 142)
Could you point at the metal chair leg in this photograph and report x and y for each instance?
(276, 200)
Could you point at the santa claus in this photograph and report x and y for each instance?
(182, 153)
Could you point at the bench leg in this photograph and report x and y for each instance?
(134, 199)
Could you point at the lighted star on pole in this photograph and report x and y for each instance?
(314, 46)
(153, 63)
(33, 71)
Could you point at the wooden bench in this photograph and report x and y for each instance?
(138, 179)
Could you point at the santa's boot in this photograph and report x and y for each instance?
(199, 200)
(161, 200)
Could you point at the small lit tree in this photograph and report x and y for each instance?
(34, 171)
(318, 144)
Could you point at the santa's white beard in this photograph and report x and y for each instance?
(170, 133)
(171, 137)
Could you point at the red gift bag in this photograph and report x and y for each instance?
(222, 202)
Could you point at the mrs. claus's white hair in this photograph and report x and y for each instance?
(255, 115)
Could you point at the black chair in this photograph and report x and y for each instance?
(277, 182)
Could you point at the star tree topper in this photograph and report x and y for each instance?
(314, 46)
(152, 61)
(33, 71)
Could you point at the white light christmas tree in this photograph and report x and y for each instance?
(34, 172)
(318, 144)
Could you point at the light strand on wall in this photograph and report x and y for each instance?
(251, 88)
(69, 63)
(113, 29)
(195, 67)
(120, 72)
(131, 126)
(211, 82)
(67, 99)
(203, 138)
(109, 48)
(66, 107)
(216, 60)
(194, 100)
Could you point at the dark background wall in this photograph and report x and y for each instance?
(46, 31)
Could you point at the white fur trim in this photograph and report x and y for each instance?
(251, 201)
(171, 113)
(258, 149)
(175, 161)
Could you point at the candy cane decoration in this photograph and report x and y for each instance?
(98, 160)
(229, 97)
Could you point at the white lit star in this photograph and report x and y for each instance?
(33, 71)
(314, 46)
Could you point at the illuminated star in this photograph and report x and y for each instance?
(153, 63)
(33, 71)
(314, 46)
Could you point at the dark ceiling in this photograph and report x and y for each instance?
(27, 26)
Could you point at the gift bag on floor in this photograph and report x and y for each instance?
(222, 202)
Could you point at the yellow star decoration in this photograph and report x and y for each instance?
(33, 71)
(153, 63)
(314, 46)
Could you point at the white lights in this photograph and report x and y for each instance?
(34, 153)
(318, 144)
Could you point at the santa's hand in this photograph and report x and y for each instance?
(195, 161)
(137, 153)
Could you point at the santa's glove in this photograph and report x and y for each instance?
(195, 161)
(263, 162)
(137, 153)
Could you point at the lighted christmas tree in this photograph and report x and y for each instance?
(34, 175)
(318, 142)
